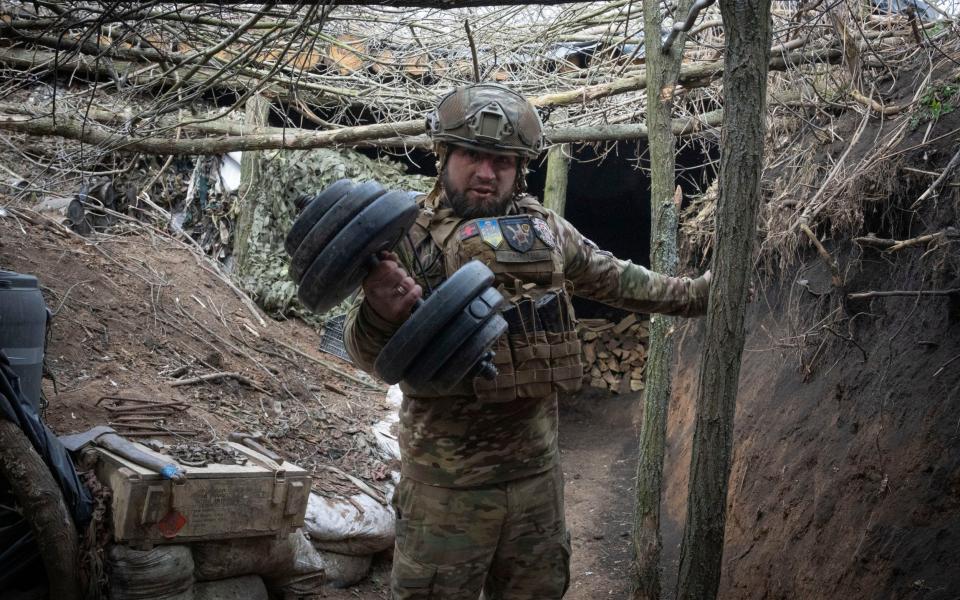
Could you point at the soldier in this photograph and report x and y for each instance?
(480, 500)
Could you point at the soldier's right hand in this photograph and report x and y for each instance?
(390, 291)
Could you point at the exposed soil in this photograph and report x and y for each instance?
(846, 465)
(598, 443)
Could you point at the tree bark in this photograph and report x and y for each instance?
(662, 72)
(273, 138)
(258, 111)
(555, 188)
(44, 508)
(147, 75)
(747, 27)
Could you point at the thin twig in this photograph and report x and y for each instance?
(944, 365)
(936, 184)
(874, 294)
(216, 377)
(473, 51)
(331, 367)
(827, 258)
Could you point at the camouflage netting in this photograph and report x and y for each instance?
(285, 176)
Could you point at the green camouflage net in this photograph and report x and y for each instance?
(286, 175)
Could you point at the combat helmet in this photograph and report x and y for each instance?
(488, 117)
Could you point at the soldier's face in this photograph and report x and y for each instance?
(478, 184)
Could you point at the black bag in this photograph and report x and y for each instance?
(19, 556)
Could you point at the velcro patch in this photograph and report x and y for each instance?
(468, 231)
(544, 233)
(518, 232)
(509, 256)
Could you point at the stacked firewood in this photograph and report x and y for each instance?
(614, 354)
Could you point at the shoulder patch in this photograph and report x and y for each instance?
(490, 232)
(544, 233)
(468, 231)
(518, 231)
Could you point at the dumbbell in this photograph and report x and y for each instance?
(333, 244)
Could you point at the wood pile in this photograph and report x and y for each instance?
(614, 354)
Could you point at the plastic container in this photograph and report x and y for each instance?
(23, 326)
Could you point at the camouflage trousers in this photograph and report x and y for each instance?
(508, 539)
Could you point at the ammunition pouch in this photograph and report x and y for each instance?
(539, 353)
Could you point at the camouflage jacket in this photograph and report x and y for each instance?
(465, 440)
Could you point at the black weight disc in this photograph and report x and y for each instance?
(342, 263)
(330, 224)
(463, 363)
(463, 325)
(430, 318)
(317, 206)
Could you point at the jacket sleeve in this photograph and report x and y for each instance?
(365, 333)
(599, 275)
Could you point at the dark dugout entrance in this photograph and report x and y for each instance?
(608, 199)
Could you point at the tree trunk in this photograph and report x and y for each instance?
(258, 110)
(555, 188)
(273, 138)
(747, 29)
(44, 508)
(662, 72)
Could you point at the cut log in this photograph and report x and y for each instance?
(624, 323)
(589, 354)
(346, 54)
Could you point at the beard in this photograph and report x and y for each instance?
(465, 209)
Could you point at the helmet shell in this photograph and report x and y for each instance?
(487, 117)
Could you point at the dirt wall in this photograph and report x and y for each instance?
(846, 476)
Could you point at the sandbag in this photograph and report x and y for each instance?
(337, 525)
(344, 570)
(383, 431)
(163, 573)
(248, 587)
(278, 561)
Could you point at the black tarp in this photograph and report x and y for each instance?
(17, 550)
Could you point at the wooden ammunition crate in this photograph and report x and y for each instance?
(215, 502)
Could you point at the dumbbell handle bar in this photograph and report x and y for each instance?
(485, 367)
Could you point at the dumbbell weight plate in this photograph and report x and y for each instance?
(317, 206)
(333, 221)
(430, 318)
(463, 362)
(343, 262)
(465, 324)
